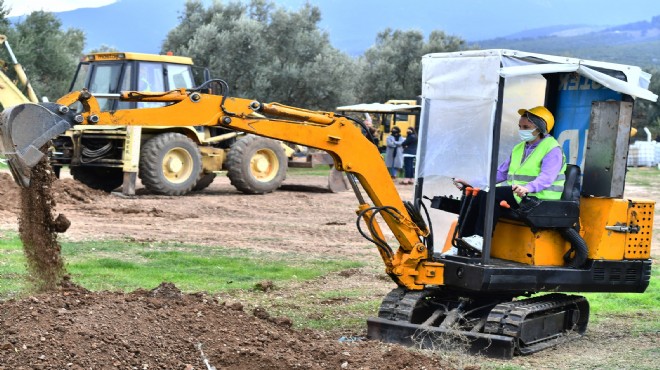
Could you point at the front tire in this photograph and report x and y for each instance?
(170, 164)
(256, 165)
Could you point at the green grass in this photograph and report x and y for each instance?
(316, 171)
(126, 266)
(643, 308)
(643, 176)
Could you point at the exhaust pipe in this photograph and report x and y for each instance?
(25, 129)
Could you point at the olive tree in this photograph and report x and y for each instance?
(646, 113)
(266, 52)
(48, 54)
(392, 69)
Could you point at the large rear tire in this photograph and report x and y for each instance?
(256, 165)
(100, 178)
(170, 164)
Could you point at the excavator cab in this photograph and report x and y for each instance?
(592, 104)
(593, 239)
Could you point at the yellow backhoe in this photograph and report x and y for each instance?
(591, 240)
(13, 92)
(170, 160)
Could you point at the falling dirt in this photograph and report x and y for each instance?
(38, 230)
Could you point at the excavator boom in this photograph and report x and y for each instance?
(25, 130)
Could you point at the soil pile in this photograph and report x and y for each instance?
(64, 191)
(165, 329)
(38, 229)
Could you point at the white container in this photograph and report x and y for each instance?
(633, 156)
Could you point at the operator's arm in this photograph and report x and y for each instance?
(503, 171)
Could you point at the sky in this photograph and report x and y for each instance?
(22, 7)
(357, 22)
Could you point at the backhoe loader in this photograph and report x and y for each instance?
(510, 298)
(171, 160)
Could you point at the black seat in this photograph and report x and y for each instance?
(546, 214)
(572, 183)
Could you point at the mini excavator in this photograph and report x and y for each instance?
(510, 298)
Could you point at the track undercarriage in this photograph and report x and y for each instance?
(496, 326)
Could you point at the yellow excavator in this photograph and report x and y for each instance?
(509, 299)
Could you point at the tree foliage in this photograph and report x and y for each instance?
(266, 52)
(48, 54)
(647, 114)
(392, 68)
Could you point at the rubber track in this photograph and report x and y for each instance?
(507, 318)
(389, 306)
(399, 304)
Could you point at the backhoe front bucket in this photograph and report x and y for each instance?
(24, 131)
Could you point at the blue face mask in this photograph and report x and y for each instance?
(526, 135)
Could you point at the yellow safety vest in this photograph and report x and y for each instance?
(522, 172)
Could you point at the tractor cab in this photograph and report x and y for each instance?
(107, 74)
(598, 239)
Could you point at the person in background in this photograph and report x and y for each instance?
(409, 153)
(394, 152)
(536, 167)
(372, 132)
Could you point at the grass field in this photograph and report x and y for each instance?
(126, 266)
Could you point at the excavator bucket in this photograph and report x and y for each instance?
(25, 129)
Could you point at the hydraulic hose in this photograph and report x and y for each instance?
(578, 247)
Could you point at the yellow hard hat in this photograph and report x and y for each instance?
(543, 113)
(633, 131)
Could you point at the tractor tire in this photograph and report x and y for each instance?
(100, 178)
(204, 181)
(170, 164)
(256, 165)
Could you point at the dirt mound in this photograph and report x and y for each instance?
(164, 329)
(9, 192)
(64, 191)
(69, 191)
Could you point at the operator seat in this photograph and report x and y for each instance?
(546, 214)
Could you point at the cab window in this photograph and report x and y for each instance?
(126, 86)
(105, 80)
(179, 76)
(150, 79)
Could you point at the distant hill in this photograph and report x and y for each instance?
(635, 43)
(566, 30)
(127, 25)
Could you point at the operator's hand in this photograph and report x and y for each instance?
(460, 184)
(519, 190)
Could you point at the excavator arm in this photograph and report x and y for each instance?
(28, 127)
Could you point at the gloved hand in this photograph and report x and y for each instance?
(520, 190)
